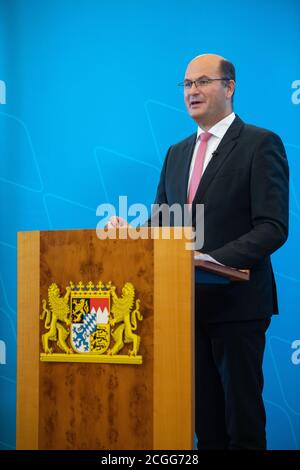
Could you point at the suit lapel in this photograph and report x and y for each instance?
(225, 147)
(187, 155)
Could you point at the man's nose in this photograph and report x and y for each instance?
(193, 90)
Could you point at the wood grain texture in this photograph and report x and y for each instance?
(173, 345)
(28, 340)
(108, 406)
(98, 406)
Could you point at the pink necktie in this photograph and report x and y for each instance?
(198, 167)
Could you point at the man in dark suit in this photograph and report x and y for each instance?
(240, 173)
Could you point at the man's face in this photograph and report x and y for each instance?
(206, 104)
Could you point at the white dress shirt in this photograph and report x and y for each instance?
(218, 131)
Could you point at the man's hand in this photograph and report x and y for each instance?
(117, 222)
(197, 253)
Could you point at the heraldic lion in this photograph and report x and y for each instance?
(121, 311)
(59, 313)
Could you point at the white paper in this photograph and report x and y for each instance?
(204, 257)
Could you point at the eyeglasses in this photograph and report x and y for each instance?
(200, 82)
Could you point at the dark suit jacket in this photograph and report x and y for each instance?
(245, 194)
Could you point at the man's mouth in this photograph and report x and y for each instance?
(194, 104)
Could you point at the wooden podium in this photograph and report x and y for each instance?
(108, 406)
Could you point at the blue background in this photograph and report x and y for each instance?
(91, 108)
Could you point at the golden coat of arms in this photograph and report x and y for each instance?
(91, 324)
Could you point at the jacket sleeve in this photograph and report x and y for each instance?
(269, 202)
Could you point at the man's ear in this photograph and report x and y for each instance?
(230, 88)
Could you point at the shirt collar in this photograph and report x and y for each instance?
(220, 128)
